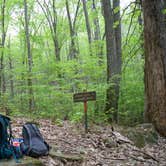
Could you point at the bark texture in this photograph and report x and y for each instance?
(29, 80)
(155, 63)
(11, 69)
(97, 33)
(2, 45)
(113, 45)
(88, 28)
(73, 52)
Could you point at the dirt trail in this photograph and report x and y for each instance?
(100, 147)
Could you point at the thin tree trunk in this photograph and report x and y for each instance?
(55, 38)
(3, 38)
(30, 84)
(11, 78)
(56, 48)
(23, 81)
(97, 33)
(51, 17)
(88, 28)
(73, 48)
(11, 75)
(155, 63)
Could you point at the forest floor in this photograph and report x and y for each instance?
(100, 147)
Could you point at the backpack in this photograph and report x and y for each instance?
(6, 149)
(33, 143)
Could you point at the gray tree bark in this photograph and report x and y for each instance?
(73, 53)
(2, 45)
(97, 34)
(113, 45)
(30, 61)
(88, 28)
(11, 72)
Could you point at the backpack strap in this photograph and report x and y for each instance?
(10, 132)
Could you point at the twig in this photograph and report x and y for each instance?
(124, 10)
(131, 21)
(115, 158)
(137, 159)
(146, 154)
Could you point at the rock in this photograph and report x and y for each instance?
(64, 156)
(141, 134)
(26, 161)
(110, 143)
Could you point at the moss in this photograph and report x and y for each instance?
(26, 161)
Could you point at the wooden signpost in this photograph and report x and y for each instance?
(85, 97)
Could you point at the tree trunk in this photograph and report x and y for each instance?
(23, 80)
(11, 78)
(54, 27)
(51, 16)
(118, 43)
(88, 28)
(97, 34)
(73, 48)
(155, 63)
(29, 80)
(56, 48)
(118, 38)
(113, 45)
(3, 38)
(11, 75)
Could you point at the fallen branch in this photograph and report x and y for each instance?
(116, 158)
(146, 155)
(121, 139)
(137, 159)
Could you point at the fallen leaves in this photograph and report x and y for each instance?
(100, 147)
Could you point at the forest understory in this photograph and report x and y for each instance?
(99, 147)
(51, 50)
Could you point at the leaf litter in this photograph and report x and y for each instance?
(99, 147)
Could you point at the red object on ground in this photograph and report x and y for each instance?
(16, 144)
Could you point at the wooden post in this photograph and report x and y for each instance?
(86, 116)
(85, 97)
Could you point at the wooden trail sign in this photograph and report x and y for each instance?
(84, 97)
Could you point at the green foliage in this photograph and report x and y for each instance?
(164, 11)
(54, 83)
(131, 103)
